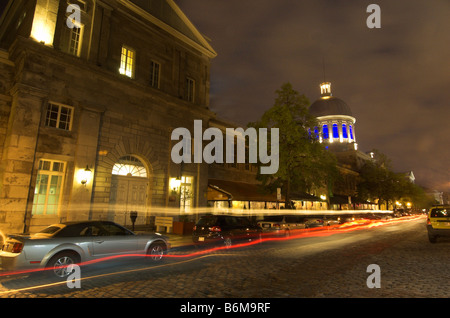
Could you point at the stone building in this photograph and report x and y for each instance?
(90, 91)
(234, 184)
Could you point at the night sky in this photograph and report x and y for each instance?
(395, 79)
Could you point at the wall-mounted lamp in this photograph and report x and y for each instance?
(174, 184)
(85, 175)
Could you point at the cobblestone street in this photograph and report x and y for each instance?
(333, 266)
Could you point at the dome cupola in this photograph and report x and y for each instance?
(335, 118)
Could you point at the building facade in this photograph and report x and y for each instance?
(90, 92)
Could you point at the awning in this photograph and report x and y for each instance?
(220, 190)
(302, 196)
(343, 199)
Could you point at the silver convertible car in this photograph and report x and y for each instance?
(60, 245)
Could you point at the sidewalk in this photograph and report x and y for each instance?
(175, 240)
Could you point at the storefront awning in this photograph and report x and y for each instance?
(343, 199)
(223, 190)
(220, 190)
(302, 196)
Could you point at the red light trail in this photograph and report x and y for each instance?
(295, 234)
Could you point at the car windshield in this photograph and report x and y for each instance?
(50, 230)
(207, 221)
(438, 213)
(82, 229)
(73, 230)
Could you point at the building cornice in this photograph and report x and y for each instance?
(203, 45)
(336, 117)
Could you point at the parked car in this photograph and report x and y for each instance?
(313, 221)
(438, 222)
(345, 218)
(330, 220)
(372, 216)
(60, 245)
(281, 225)
(225, 229)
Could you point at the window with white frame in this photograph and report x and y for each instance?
(75, 39)
(49, 185)
(190, 89)
(155, 69)
(186, 193)
(59, 116)
(127, 61)
(129, 166)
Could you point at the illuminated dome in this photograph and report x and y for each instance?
(329, 106)
(336, 122)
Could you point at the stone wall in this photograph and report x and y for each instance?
(113, 116)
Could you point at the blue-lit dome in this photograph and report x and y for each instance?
(336, 124)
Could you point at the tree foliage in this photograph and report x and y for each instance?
(378, 181)
(304, 163)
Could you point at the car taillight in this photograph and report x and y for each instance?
(215, 229)
(428, 221)
(17, 247)
(276, 225)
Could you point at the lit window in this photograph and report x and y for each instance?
(127, 60)
(351, 131)
(49, 183)
(190, 89)
(186, 193)
(129, 166)
(335, 131)
(75, 38)
(325, 132)
(344, 131)
(59, 116)
(154, 74)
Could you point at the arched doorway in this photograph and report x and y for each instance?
(129, 188)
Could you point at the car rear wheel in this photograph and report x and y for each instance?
(156, 251)
(59, 263)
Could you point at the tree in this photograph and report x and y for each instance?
(415, 195)
(378, 181)
(304, 163)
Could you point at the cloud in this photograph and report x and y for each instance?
(395, 79)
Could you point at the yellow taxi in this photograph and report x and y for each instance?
(438, 222)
